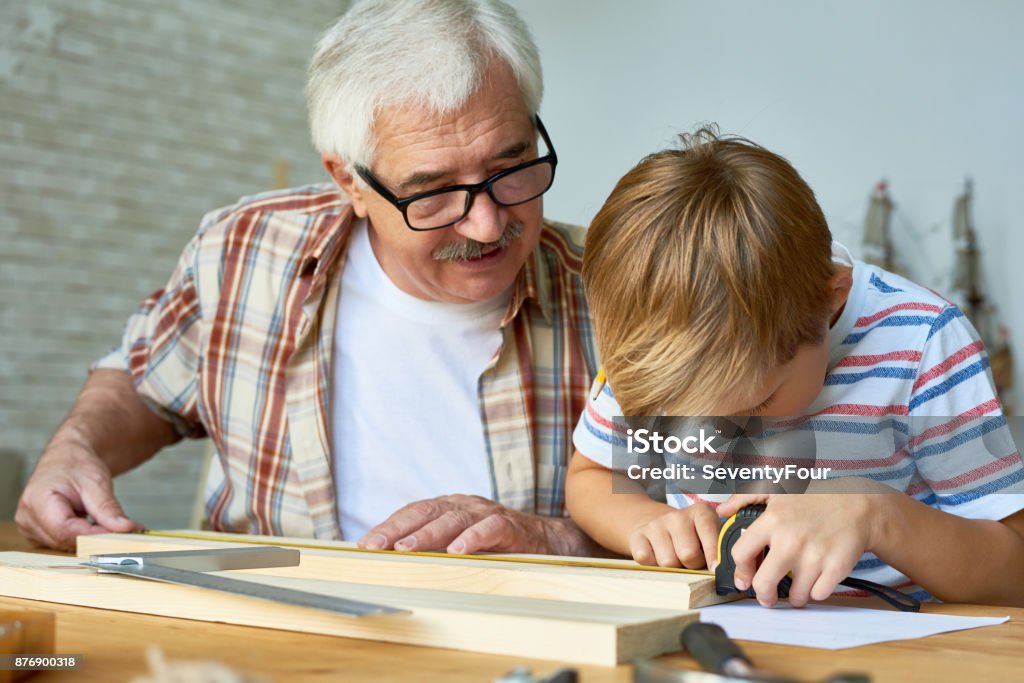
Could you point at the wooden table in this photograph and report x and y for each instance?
(114, 644)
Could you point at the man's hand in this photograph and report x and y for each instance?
(470, 524)
(70, 485)
(817, 538)
(687, 537)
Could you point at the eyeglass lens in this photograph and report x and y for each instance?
(445, 208)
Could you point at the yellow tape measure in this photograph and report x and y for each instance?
(553, 560)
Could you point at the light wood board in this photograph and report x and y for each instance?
(628, 587)
(544, 629)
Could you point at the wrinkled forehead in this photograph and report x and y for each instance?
(493, 118)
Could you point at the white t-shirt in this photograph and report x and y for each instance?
(405, 408)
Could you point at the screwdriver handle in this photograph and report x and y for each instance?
(713, 649)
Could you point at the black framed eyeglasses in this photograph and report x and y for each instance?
(446, 206)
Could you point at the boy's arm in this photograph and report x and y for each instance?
(607, 517)
(954, 558)
(626, 521)
(819, 538)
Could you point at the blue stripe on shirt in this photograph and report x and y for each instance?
(893, 321)
(884, 372)
(992, 487)
(948, 314)
(956, 378)
(606, 435)
(960, 438)
(881, 286)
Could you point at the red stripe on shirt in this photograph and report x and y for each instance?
(859, 361)
(955, 422)
(861, 409)
(960, 356)
(912, 305)
(977, 473)
(607, 424)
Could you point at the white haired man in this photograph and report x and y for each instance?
(401, 362)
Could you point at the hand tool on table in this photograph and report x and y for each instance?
(191, 567)
(725, 579)
(522, 674)
(722, 659)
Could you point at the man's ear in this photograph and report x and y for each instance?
(840, 283)
(338, 170)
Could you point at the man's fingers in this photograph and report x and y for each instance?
(401, 524)
(54, 524)
(98, 498)
(437, 534)
(493, 532)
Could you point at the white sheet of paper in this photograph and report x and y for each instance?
(832, 628)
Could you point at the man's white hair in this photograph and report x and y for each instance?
(410, 53)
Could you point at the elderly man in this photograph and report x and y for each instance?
(401, 362)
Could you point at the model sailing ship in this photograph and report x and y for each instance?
(878, 249)
(967, 284)
(967, 276)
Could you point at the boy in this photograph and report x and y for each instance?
(716, 289)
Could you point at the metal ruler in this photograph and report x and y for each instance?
(189, 567)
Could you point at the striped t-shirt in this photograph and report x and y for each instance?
(901, 354)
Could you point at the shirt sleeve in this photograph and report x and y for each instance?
(960, 440)
(598, 432)
(160, 348)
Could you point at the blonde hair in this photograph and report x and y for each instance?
(706, 268)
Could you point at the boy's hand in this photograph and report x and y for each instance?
(686, 537)
(817, 538)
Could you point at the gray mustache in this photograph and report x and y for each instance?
(471, 249)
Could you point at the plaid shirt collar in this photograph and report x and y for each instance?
(328, 248)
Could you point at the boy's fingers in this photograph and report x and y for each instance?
(804, 578)
(641, 550)
(685, 544)
(664, 548)
(766, 581)
(738, 501)
(827, 582)
(708, 526)
(747, 550)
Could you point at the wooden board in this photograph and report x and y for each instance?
(628, 587)
(525, 627)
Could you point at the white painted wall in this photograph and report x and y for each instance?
(919, 92)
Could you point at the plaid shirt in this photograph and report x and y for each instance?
(238, 347)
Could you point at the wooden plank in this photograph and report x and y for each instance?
(543, 629)
(627, 587)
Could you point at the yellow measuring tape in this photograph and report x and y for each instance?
(553, 560)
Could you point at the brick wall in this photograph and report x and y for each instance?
(121, 123)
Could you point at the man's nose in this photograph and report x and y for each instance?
(485, 221)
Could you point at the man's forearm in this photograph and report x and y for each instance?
(954, 558)
(111, 418)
